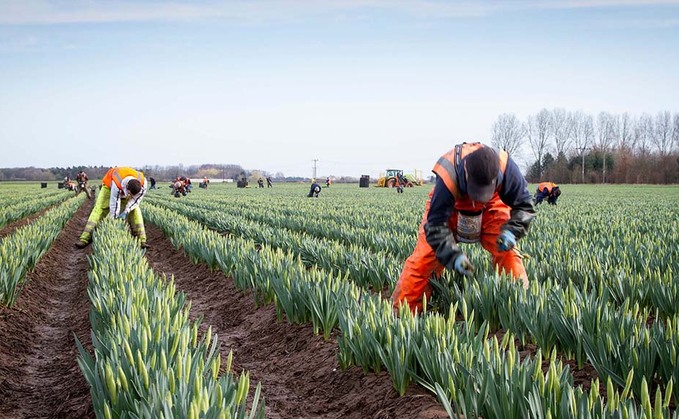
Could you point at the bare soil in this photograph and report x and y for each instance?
(39, 375)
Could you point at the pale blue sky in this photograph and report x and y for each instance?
(359, 85)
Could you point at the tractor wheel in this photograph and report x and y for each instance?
(391, 183)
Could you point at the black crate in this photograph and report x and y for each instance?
(364, 182)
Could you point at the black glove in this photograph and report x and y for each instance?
(441, 239)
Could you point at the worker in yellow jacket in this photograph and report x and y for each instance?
(121, 193)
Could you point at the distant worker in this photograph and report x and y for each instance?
(260, 182)
(204, 183)
(83, 184)
(81, 176)
(315, 189)
(68, 184)
(121, 186)
(180, 187)
(549, 190)
(481, 196)
(328, 182)
(400, 182)
(152, 181)
(269, 183)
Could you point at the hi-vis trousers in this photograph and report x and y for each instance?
(101, 210)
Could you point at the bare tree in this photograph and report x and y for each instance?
(675, 133)
(605, 135)
(561, 129)
(662, 138)
(538, 135)
(624, 129)
(508, 133)
(643, 133)
(583, 135)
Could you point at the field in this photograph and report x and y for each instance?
(295, 289)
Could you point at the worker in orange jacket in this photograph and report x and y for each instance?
(549, 190)
(121, 193)
(481, 196)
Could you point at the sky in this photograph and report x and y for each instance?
(351, 86)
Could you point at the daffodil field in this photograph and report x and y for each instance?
(604, 292)
(604, 297)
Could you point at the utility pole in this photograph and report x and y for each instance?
(315, 160)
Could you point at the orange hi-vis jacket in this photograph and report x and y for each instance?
(547, 185)
(447, 169)
(511, 207)
(117, 174)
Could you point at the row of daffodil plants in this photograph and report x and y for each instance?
(363, 267)
(652, 285)
(332, 224)
(149, 360)
(10, 191)
(21, 205)
(613, 238)
(622, 245)
(471, 374)
(21, 250)
(536, 316)
(586, 326)
(346, 205)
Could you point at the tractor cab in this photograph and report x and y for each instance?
(397, 173)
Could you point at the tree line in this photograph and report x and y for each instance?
(160, 173)
(576, 147)
(214, 172)
(565, 147)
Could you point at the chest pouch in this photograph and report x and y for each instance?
(469, 227)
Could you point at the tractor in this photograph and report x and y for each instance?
(395, 178)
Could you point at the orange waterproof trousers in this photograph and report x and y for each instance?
(422, 263)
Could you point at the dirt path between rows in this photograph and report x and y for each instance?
(299, 372)
(39, 375)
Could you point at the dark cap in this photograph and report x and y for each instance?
(482, 168)
(133, 186)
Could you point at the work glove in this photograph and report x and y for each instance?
(506, 241)
(462, 265)
(123, 215)
(441, 240)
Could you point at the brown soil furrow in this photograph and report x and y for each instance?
(39, 374)
(299, 372)
(9, 228)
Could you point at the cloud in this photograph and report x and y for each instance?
(48, 12)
